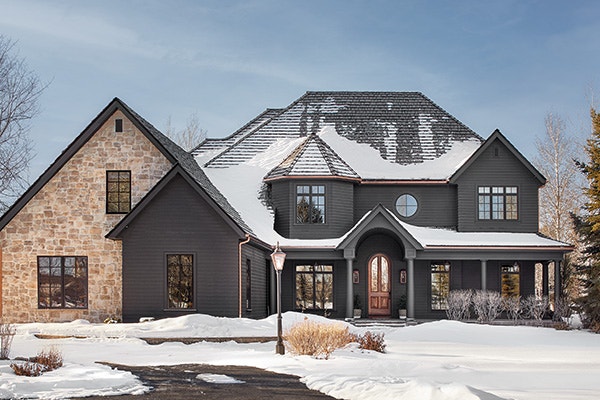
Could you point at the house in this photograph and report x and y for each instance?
(372, 195)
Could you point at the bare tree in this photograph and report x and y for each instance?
(20, 89)
(562, 194)
(190, 136)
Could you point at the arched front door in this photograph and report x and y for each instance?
(379, 286)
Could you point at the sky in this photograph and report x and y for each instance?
(491, 64)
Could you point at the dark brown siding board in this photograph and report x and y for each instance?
(502, 170)
(179, 221)
(437, 204)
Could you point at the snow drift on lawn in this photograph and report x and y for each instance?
(434, 361)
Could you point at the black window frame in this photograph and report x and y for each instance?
(248, 285)
(317, 200)
(500, 203)
(403, 209)
(79, 262)
(192, 306)
(313, 296)
(123, 205)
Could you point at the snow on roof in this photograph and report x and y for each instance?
(388, 136)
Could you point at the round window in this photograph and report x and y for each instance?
(406, 205)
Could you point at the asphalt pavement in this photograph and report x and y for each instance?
(179, 382)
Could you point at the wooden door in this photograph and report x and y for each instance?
(379, 286)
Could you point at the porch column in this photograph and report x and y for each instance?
(349, 256)
(557, 284)
(410, 287)
(545, 280)
(484, 275)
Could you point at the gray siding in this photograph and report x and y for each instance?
(501, 170)
(437, 204)
(339, 213)
(178, 220)
(259, 284)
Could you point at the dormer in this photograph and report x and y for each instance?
(312, 192)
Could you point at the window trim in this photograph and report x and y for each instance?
(314, 294)
(490, 195)
(310, 195)
(194, 306)
(62, 283)
(118, 203)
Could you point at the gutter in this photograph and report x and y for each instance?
(240, 274)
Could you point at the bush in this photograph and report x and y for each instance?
(513, 307)
(487, 305)
(46, 360)
(561, 326)
(459, 304)
(371, 341)
(316, 339)
(536, 307)
(7, 332)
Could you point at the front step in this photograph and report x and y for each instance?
(391, 323)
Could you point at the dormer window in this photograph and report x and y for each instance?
(310, 204)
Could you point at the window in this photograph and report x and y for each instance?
(248, 285)
(62, 282)
(314, 287)
(511, 280)
(118, 192)
(406, 205)
(310, 204)
(440, 286)
(498, 202)
(118, 125)
(180, 281)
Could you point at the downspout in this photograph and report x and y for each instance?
(240, 274)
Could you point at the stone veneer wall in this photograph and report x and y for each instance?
(67, 217)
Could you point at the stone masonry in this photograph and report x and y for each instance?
(70, 219)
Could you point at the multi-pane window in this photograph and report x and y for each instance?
(118, 192)
(314, 287)
(440, 286)
(62, 282)
(510, 280)
(498, 202)
(310, 204)
(180, 281)
(248, 284)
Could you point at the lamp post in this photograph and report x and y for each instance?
(278, 258)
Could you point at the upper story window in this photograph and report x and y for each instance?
(118, 192)
(310, 204)
(406, 205)
(498, 202)
(62, 282)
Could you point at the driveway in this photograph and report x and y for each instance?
(178, 382)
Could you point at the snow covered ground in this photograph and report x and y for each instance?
(433, 361)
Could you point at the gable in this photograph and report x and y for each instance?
(180, 176)
(499, 151)
(102, 125)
